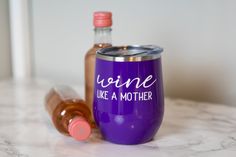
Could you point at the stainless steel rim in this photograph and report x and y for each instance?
(146, 52)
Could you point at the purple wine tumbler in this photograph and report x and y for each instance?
(128, 95)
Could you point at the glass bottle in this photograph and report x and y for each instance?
(69, 113)
(102, 22)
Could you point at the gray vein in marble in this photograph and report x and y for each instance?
(9, 149)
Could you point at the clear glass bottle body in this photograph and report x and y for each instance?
(102, 40)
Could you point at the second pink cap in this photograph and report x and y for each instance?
(79, 129)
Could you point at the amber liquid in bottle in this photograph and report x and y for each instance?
(66, 107)
(102, 22)
(90, 59)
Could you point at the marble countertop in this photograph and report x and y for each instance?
(189, 129)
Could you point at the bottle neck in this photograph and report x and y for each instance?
(68, 117)
(102, 35)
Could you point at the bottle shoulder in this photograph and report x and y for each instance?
(72, 105)
(92, 51)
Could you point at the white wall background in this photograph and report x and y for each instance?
(5, 64)
(199, 38)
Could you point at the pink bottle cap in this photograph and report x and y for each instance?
(102, 19)
(79, 129)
